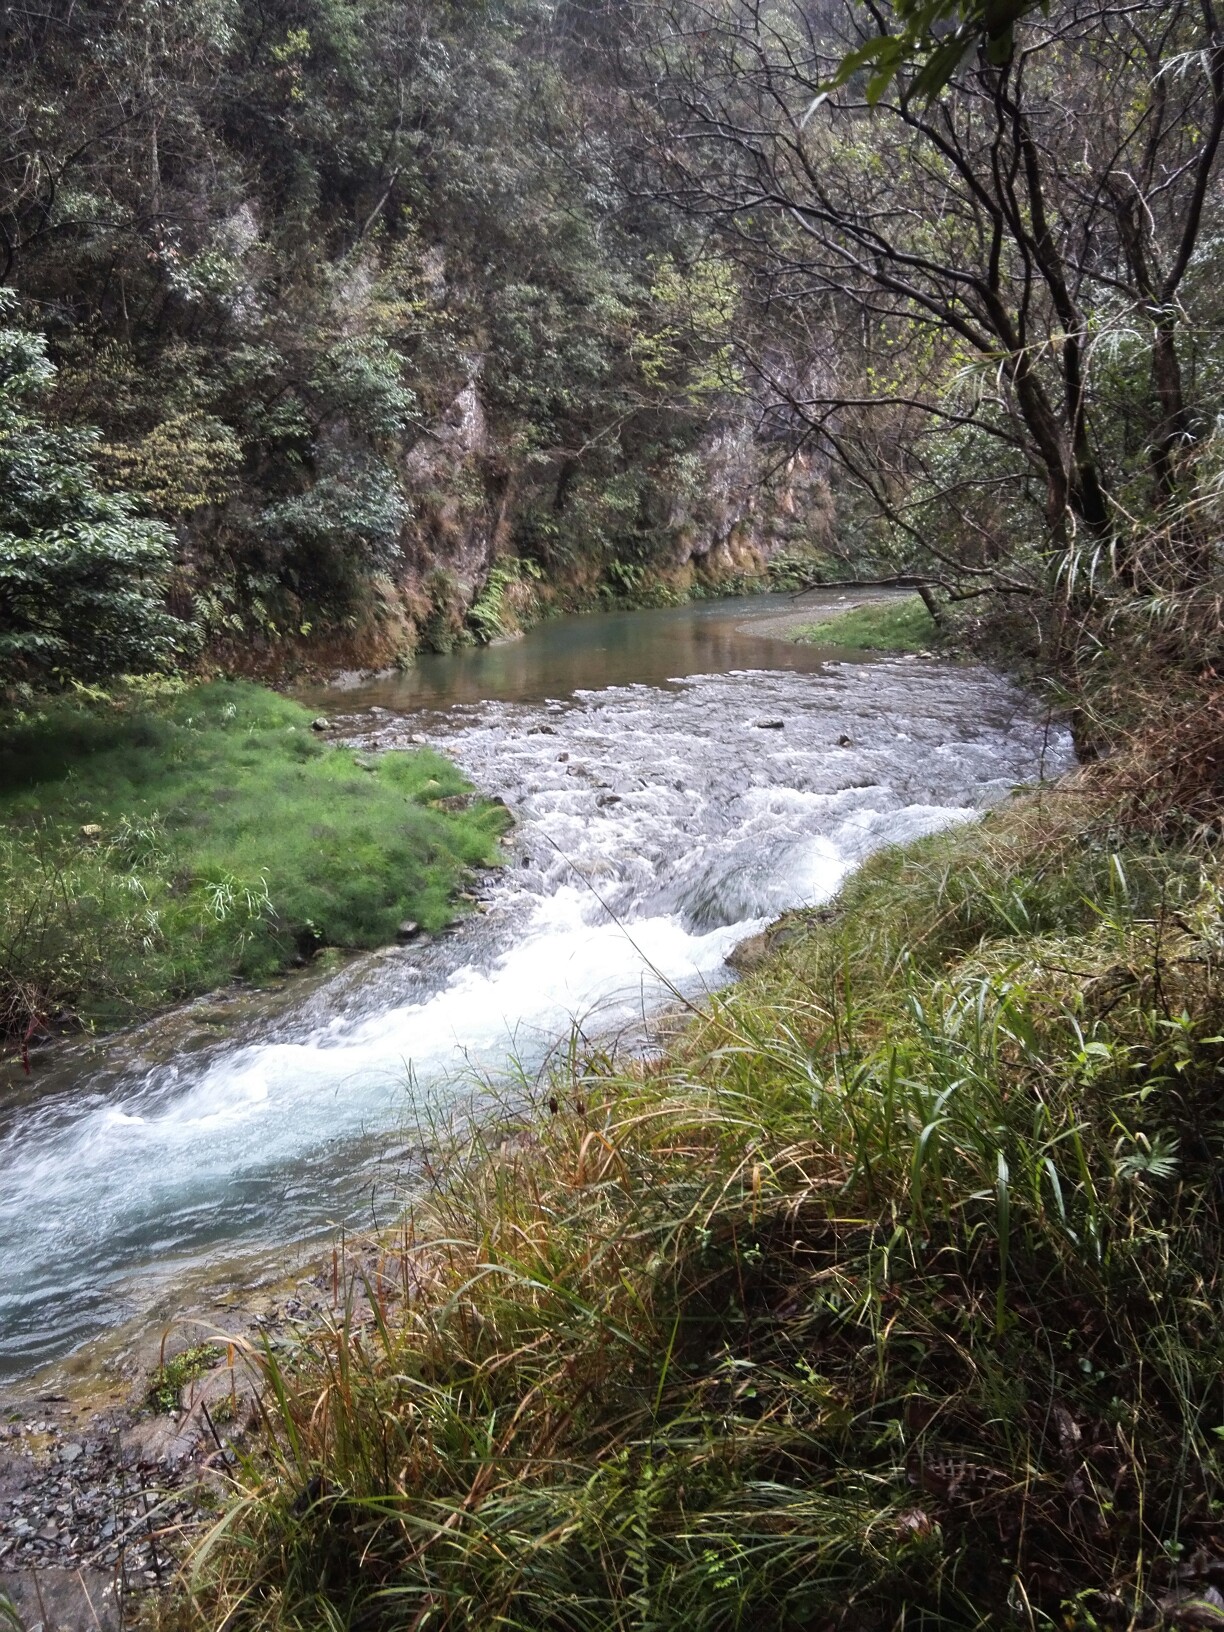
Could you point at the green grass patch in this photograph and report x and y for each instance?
(154, 848)
(888, 1298)
(893, 626)
(172, 1376)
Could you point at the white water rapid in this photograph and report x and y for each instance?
(657, 826)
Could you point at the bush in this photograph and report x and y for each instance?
(81, 576)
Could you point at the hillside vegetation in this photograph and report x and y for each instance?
(339, 299)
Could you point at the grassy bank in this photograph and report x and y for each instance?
(152, 848)
(882, 626)
(889, 1297)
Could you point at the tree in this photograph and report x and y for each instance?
(972, 293)
(82, 577)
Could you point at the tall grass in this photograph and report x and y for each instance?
(153, 848)
(888, 1297)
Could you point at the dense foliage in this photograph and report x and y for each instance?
(81, 576)
(353, 297)
(393, 309)
(996, 314)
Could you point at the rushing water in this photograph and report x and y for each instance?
(677, 779)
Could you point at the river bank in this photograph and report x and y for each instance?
(881, 1281)
(889, 1281)
(628, 888)
(155, 845)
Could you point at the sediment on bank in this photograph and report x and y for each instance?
(890, 1283)
(156, 843)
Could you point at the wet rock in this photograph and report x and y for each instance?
(220, 1403)
(844, 741)
(321, 724)
(749, 954)
(770, 725)
(409, 930)
(609, 799)
(64, 1600)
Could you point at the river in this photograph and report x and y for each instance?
(678, 779)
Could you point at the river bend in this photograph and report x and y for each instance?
(657, 825)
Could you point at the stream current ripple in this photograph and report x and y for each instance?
(656, 827)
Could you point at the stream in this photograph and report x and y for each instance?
(678, 779)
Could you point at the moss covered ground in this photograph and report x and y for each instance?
(887, 1297)
(154, 846)
(881, 626)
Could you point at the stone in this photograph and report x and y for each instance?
(228, 1394)
(65, 1600)
(749, 954)
(769, 725)
(159, 1441)
(321, 724)
(844, 741)
(407, 931)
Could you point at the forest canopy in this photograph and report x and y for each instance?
(422, 318)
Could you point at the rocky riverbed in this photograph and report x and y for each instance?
(103, 1489)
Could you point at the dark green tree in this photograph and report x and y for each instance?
(82, 576)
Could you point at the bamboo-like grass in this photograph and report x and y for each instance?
(887, 1297)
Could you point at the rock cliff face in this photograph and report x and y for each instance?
(467, 570)
(745, 518)
(495, 537)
